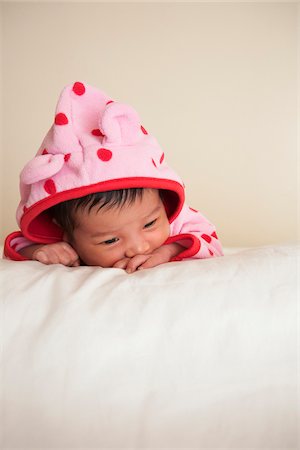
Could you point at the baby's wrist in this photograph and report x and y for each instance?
(30, 251)
(173, 249)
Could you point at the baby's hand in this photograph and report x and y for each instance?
(159, 256)
(131, 264)
(58, 253)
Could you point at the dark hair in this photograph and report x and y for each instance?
(63, 212)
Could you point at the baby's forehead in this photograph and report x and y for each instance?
(111, 216)
(112, 200)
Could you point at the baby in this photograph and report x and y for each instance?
(100, 193)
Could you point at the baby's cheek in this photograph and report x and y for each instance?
(165, 232)
(103, 257)
(111, 256)
(87, 253)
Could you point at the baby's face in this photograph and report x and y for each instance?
(101, 238)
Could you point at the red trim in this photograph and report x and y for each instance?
(9, 252)
(188, 252)
(45, 232)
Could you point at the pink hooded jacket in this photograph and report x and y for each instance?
(96, 145)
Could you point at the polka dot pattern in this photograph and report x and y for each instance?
(78, 88)
(214, 234)
(104, 154)
(61, 119)
(50, 187)
(84, 140)
(97, 132)
(206, 237)
(160, 160)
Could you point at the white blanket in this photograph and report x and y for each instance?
(195, 354)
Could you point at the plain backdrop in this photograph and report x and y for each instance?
(216, 83)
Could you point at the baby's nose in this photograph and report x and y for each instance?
(137, 247)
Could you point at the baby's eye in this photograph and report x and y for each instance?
(150, 224)
(110, 241)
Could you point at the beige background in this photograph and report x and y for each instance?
(216, 83)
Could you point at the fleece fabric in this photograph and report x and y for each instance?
(96, 144)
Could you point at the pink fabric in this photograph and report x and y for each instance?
(203, 241)
(95, 145)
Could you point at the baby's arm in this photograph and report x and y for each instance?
(19, 248)
(58, 253)
(196, 234)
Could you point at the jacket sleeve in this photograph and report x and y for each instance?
(13, 244)
(194, 232)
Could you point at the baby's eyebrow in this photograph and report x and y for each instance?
(99, 234)
(154, 211)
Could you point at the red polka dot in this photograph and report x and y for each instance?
(45, 152)
(162, 158)
(61, 119)
(143, 130)
(50, 187)
(97, 132)
(210, 252)
(104, 154)
(153, 162)
(67, 157)
(214, 234)
(78, 88)
(206, 237)
(194, 210)
(110, 101)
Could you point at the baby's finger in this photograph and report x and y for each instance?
(76, 263)
(122, 264)
(40, 256)
(136, 262)
(68, 256)
(154, 261)
(66, 259)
